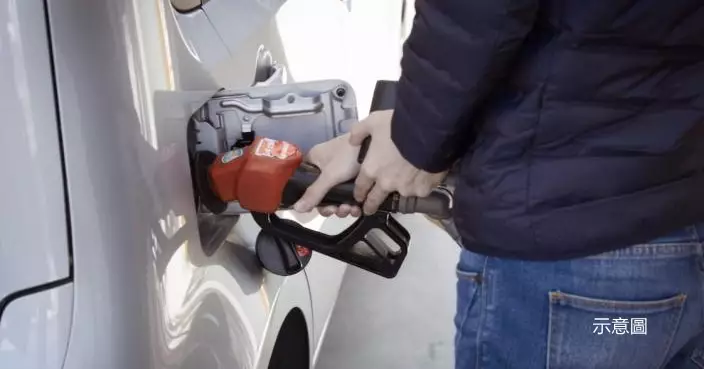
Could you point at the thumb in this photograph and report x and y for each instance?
(314, 194)
(359, 132)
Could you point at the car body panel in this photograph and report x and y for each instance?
(138, 262)
(230, 61)
(143, 291)
(238, 21)
(36, 329)
(34, 246)
(201, 38)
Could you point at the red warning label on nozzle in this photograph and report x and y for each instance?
(275, 149)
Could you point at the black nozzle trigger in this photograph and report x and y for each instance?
(354, 245)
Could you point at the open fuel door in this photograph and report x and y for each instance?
(304, 114)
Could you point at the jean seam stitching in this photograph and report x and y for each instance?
(699, 260)
(482, 314)
(465, 312)
(463, 275)
(700, 274)
(673, 334)
(624, 254)
(549, 339)
(588, 303)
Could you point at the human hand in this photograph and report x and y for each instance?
(384, 169)
(337, 161)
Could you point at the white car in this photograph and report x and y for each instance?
(102, 263)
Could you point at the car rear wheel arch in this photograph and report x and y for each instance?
(292, 349)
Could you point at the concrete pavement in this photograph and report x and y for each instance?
(405, 322)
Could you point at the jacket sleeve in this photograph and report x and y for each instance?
(456, 51)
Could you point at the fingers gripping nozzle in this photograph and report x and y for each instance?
(439, 203)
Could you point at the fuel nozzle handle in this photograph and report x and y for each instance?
(437, 205)
(340, 194)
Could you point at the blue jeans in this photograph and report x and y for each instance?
(637, 308)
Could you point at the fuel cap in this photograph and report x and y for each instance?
(281, 257)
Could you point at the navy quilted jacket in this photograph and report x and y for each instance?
(578, 125)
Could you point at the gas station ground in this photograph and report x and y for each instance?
(400, 323)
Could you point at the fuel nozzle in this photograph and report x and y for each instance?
(270, 175)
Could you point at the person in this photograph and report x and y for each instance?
(577, 128)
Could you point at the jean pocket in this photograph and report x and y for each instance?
(466, 317)
(592, 333)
